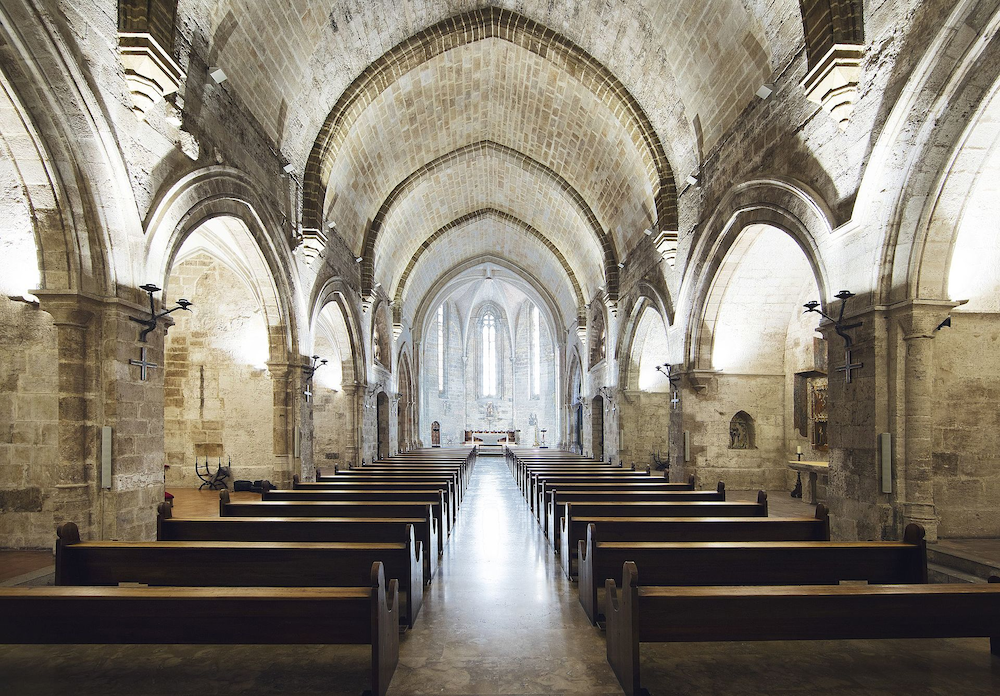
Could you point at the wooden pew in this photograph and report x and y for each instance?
(573, 482)
(340, 508)
(403, 469)
(557, 497)
(434, 498)
(751, 563)
(240, 564)
(653, 614)
(364, 615)
(362, 529)
(449, 485)
(570, 534)
(699, 529)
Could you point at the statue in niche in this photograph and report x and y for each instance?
(597, 351)
(818, 413)
(377, 345)
(741, 434)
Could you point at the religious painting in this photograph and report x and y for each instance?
(818, 412)
(741, 431)
(435, 434)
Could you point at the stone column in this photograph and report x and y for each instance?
(918, 322)
(283, 384)
(75, 476)
(350, 392)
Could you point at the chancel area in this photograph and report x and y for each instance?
(645, 346)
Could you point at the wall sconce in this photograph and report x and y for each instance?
(840, 328)
(310, 370)
(154, 318)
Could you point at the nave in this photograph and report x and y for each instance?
(500, 617)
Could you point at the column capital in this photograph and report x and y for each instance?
(921, 318)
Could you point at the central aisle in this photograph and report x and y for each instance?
(500, 617)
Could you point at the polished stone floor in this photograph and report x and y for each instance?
(500, 619)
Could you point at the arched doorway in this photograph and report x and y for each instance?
(597, 427)
(382, 409)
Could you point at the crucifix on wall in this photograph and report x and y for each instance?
(849, 365)
(143, 364)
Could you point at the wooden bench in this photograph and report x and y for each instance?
(240, 564)
(363, 529)
(406, 470)
(364, 615)
(543, 483)
(557, 498)
(652, 614)
(449, 485)
(751, 563)
(571, 533)
(614, 528)
(337, 508)
(434, 498)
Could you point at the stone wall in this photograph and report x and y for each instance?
(216, 404)
(29, 425)
(966, 446)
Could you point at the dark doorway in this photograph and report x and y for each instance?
(435, 434)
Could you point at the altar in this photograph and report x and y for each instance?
(814, 470)
(491, 438)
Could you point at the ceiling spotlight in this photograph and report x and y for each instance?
(648, 231)
(765, 91)
(358, 259)
(218, 75)
(692, 180)
(621, 264)
(331, 225)
(288, 168)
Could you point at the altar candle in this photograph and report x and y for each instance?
(798, 450)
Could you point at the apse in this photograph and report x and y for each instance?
(489, 359)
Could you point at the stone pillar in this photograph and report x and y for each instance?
(350, 392)
(99, 387)
(284, 383)
(75, 476)
(915, 477)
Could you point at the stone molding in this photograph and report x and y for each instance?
(833, 82)
(151, 73)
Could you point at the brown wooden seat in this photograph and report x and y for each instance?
(433, 497)
(337, 508)
(416, 482)
(366, 615)
(363, 529)
(557, 497)
(751, 563)
(543, 483)
(652, 614)
(240, 564)
(699, 529)
(571, 533)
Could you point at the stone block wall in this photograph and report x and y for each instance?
(645, 427)
(966, 445)
(29, 425)
(333, 439)
(216, 404)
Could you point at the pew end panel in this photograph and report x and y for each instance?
(623, 630)
(385, 629)
(585, 577)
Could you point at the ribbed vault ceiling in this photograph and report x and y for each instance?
(570, 121)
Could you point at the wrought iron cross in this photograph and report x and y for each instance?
(674, 400)
(849, 367)
(143, 364)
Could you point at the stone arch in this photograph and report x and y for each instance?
(641, 329)
(215, 192)
(82, 228)
(946, 94)
(486, 212)
(459, 30)
(336, 291)
(480, 149)
(784, 204)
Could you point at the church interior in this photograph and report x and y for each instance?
(505, 262)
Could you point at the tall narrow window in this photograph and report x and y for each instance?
(441, 349)
(536, 355)
(489, 355)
